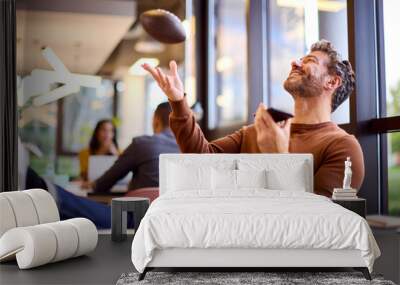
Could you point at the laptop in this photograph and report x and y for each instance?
(99, 164)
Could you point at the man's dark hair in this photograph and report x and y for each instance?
(338, 67)
(162, 112)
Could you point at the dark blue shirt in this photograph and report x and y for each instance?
(140, 157)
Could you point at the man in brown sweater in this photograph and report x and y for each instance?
(319, 82)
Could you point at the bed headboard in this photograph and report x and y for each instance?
(282, 163)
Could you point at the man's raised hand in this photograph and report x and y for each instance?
(171, 84)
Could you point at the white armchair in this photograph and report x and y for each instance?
(31, 230)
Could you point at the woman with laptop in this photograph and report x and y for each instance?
(102, 142)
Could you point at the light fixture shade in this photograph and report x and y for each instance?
(149, 46)
(136, 68)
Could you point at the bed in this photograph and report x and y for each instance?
(247, 210)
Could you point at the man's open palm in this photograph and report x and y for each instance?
(171, 84)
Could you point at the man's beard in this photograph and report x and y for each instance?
(303, 85)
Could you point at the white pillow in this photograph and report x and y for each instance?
(293, 179)
(251, 178)
(223, 179)
(226, 179)
(183, 177)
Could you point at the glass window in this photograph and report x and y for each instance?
(81, 112)
(37, 131)
(394, 173)
(293, 27)
(392, 56)
(286, 43)
(229, 95)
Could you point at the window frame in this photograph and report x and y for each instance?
(366, 121)
(205, 85)
(361, 20)
(60, 150)
(8, 98)
(383, 125)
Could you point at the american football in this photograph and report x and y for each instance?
(163, 26)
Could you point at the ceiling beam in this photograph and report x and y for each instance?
(103, 7)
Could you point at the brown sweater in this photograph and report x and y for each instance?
(329, 144)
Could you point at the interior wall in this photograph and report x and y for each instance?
(132, 110)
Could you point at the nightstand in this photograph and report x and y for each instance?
(357, 205)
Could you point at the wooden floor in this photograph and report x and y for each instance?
(110, 259)
(103, 266)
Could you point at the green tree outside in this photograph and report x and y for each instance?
(393, 109)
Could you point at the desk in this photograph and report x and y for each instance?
(105, 198)
(102, 266)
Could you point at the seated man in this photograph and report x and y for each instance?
(141, 156)
(319, 82)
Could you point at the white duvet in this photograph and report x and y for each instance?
(250, 219)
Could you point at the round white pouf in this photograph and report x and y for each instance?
(33, 246)
(45, 205)
(87, 235)
(37, 245)
(7, 218)
(67, 240)
(23, 208)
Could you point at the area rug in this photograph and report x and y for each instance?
(229, 278)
